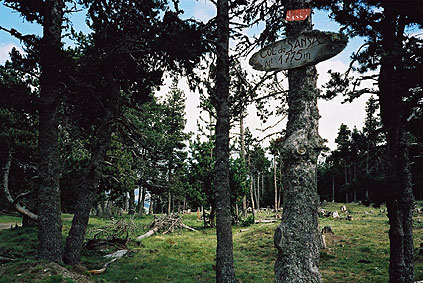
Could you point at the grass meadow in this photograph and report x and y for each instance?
(357, 251)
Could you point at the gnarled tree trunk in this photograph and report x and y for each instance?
(86, 195)
(297, 237)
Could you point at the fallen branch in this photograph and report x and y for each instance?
(148, 234)
(115, 256)
(166, 224)
(267, 221)
(4, 259)
(103, 269)
(189, 228)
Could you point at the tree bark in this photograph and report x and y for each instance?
(224, 253)
(297, 237)
(49, 210)
(86, 195)
(401, 199)
(131, 209)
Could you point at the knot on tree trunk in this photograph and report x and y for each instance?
(300, 145)
(278, 238)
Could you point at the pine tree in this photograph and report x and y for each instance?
(388, 49)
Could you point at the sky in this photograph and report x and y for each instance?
(333, 112)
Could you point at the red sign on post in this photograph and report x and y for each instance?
(297, 15)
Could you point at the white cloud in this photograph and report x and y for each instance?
(204, 10)
(333, 113)
(4, 51)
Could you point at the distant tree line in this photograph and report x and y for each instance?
(354, 171)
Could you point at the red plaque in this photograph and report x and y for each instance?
(297, 15)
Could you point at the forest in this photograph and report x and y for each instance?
(87, 133)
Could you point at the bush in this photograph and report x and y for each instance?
(247, 221)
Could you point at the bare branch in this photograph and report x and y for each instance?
(268, 136)
(29, 39)
(272, 126)
(22, 210)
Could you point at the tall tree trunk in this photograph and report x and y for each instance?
(275, 183)
(49, 210)
(333, 188)
(345, 172)
(169, 203)
(212, 216)
(400, 202)
(141, 201)
(131, 209)
(151, 207)
(280, 182)
(242, 154)
(224, 253)
(366, 195)
(258, 191)
(169, 179)
(297, 237)
(262, 186)
(354, 180)
(280, 196)
(252, 196)
(86, 195)
(109, 208)
(236, 212)
(99, 210)
(400, 207)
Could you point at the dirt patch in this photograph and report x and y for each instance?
(42, 271)
(333, 241)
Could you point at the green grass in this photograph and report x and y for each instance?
(10, 219)
(358, 251)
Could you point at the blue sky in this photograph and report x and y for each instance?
(333, 112)
(201, 9)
